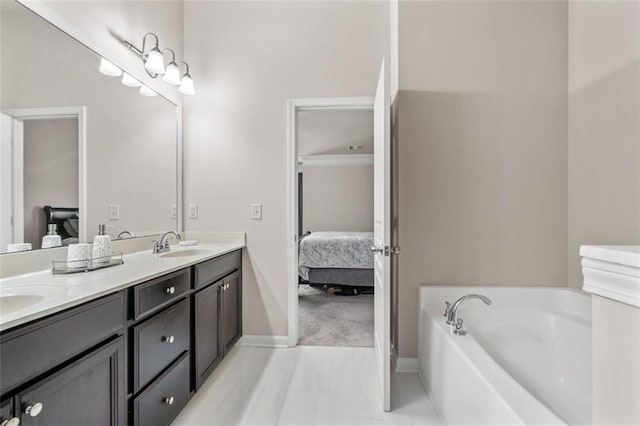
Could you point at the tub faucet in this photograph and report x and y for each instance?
(162, 245)
(451, 311)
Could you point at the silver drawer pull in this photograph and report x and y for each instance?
(168, 401)
(11, 422)
(33, 410)
(170, 290)
(169, 339)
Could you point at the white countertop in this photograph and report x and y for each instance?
(59, 292)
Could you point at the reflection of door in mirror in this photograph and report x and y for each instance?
(40, 155)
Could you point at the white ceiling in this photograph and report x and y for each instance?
(331, 132)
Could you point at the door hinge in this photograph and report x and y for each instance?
(391, 250)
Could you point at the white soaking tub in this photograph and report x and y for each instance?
(526, 358)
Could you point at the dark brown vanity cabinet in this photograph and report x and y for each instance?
(134, 357)
(217, 320)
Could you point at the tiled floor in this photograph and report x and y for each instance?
(306, 385)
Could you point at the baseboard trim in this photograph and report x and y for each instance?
(262, 341)
(406, 365)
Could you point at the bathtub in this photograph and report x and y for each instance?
(526, 358)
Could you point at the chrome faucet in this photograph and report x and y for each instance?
(451, 311)
(123, 233)
(162, 245)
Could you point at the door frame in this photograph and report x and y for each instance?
(79, 112)
(293, 106)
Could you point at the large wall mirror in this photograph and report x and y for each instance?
(78, 147)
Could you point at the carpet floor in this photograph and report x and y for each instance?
(330, 320)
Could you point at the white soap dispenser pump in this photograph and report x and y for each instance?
(101, 253)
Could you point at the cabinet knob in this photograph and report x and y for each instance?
(33, 410)
(169, 339)
(168, 401)
(11, 422)
(170, 290)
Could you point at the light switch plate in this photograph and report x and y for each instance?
(256, 211)
(193, 211)
(114, 211)
(174, 211)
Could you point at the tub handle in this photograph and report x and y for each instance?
(447, 309)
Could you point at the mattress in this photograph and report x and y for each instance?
(335, 250)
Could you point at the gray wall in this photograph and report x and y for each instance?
(482, 135)
(50, 171)
(338, 198)
(604, 126)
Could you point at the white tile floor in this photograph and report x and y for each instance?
(306, 385)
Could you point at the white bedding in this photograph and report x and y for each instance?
(335, 250)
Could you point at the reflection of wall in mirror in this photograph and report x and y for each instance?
(50, 171)
(131, 139)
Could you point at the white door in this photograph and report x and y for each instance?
(382, 232)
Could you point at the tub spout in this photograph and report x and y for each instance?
(454, 319)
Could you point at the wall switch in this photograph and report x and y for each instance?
(256, 211)
(114, 211)
(174, 211)
(193, 211)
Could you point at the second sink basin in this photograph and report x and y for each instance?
(184, 253)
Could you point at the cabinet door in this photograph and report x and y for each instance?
(6, 412)
(88, 392)
(208, 351)
(231, 310)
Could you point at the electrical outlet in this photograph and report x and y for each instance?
(114, 211)
(174, 211)
(193, 211)
(256, 211)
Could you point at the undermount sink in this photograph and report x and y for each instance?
(184, 253)
(14, 302)
(16, 298)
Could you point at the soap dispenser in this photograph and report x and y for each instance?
(101, 246)
(52, 239)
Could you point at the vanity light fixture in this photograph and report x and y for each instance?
(154, 65)
(145, 91)
(127, 80)
(107, 68)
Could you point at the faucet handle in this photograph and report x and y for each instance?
(459, 331)
(447, 309)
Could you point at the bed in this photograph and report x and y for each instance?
(338, 258)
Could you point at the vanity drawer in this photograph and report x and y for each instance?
(158, 341)
(40, 346)
(164, 399)
(151, 296)
(214, 269)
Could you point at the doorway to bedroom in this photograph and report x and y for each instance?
(335, 183)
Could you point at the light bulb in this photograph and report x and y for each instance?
(127, 80)
(155, 61)
(107, 68)
(172, 75)
(145, 91)
(186, 86)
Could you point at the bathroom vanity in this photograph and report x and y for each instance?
(138, 342)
